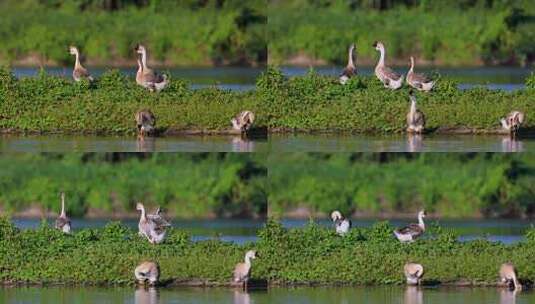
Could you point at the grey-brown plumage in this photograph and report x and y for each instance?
(512, 121)
(413, 231)
(152, 226)
(350, 70)
(418, 81)
(415, 117)
(386, 75)
(509, 276)
(147, 271)
(63, 222)
(149, 78)
(413, 273)
(242, 271)
(145, 122)
(243, 121)
(79, 71)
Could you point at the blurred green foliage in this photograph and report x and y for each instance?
(187, 185)
(457, 32)
(451, 185)
(175, 32)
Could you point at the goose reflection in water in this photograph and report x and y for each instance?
(413, 295)
(145, 295)
(242, 144)
(507, 296)
(241, 297)
(415, 142)
(512, 144)
(146, 144)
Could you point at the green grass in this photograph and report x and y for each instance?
(365, 256)
(450, 185)
(187, 185)
(176, 35)
(429, 30)
(48, 104)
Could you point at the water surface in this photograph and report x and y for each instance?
(368, 295)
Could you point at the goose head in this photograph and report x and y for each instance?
(422, 214)
(140, 49)
(336, 215)
(251, 254)
(140, 207)
(411, 62)
(73, 50)
(378, 45)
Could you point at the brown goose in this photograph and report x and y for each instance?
(509, 276)
(418, 81)
(145, 122)
(79, 71)
(350, 70)
(386, 75)
(242, 271)
(413, 231)
(63, 222)
(147, 272)
(151, 226)
(243, 121)
(415, 117)
(512, 121)
(413, 272)
(150, 79)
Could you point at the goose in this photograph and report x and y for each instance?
(63, 222)
(512, 121)
(79, 71)
(147, 271)
(386, 75)
(144, 295)
(139, 73)
(145, 122)
(341, 224)
(148, 78)
(412, 231)
(413, 295)
(509, 276)
(413, 272)
(418, 81)
(243, 121)
(151, 226)
(415, 117)
(350, 70)
(242, 271)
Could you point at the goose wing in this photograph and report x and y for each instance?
(80, 73)
(62, 221)
(389, 73)
(412, 229)
(420, 78)
(348, 72)
(152, 77)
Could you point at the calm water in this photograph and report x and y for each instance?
(504, 78)
(274, 143)
(232, 78)
(345, 295)
(231, 230)
(506, 231)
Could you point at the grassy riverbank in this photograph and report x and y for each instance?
(176, 33)
(47, 104)
(186, 185)
(478, 32)
(365, 256)
(449, 185)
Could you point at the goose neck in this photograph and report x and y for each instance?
(62, 205)
(144, 59)
(421, 221)
(382, 58)
(350, 62)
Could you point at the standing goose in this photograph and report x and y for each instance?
(149, 79)
(147, 272)
(145, 122)
(243, 121)
(415, 117)
(242, 271)
(418, 81)
(413, 231)
(413, 272)
(512, 121)
(509, 276)
(350, 70)
(151, 226)
(341, 224)
(386, 75)
(63, 223)
(79, 71)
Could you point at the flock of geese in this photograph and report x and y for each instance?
(408, 234)
(394, 80)
(153, 227)
(154, 82)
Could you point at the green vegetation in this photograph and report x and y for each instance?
(457, 32)
(450, 185)
(187, 185)
(316, 102)
(50, 104)
(364, 256)
(187, 32)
